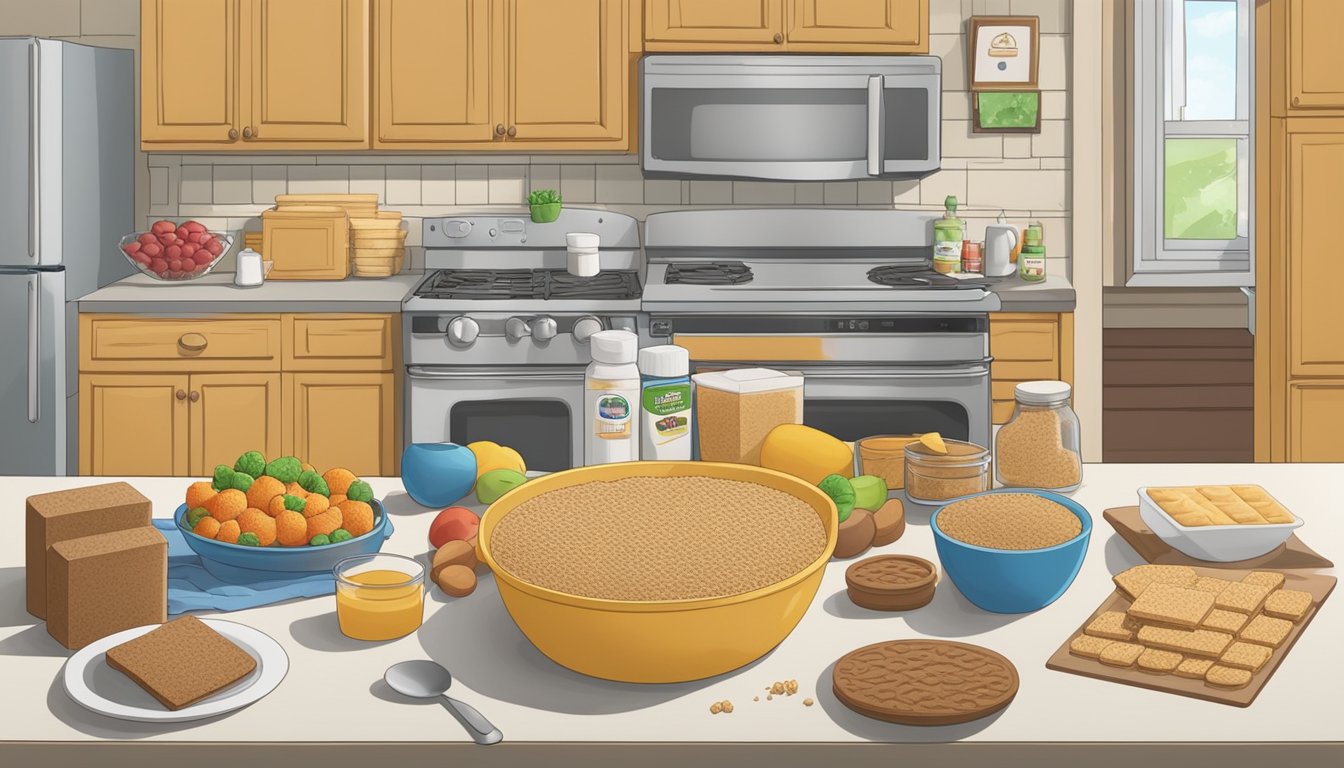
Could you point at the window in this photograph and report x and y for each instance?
(1193, 140)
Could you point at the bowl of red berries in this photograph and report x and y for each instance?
(172, 251)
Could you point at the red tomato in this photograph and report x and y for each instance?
(131, 247)
(175, 265)
(214, 247)
(200, 266)
(453, 524)
(173, 252)
(151, 249)
(167, 238)
(202, 257)
(148, 239)
(162, 226)
(142, 259)
(194, 226)
(159, 265)
(190, 249)
(182, 232)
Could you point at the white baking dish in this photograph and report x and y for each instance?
(1216, 543)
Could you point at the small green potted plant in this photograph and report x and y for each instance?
(545, 205)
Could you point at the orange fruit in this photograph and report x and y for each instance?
(336, 499)
(276, 506)
(255, 521)
(294, 489)
(229, 531)
(198, 493)
(316, 505)
(291, 529)
(226, 505)
(207, 526)
(324, 523)
(356, 517)
(338, 481)
(264, 489)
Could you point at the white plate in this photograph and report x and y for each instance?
(1215, 543)
(93, 684)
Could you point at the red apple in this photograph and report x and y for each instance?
(453, 524)
(214, 247)
(194, 226)
(167, 238)
(202, 257)
(173, 252)
(175, 265)
(162, 226)
(159, 266)
(131, 247)
(182, 231)
(142, 259)
(147, 239)
(151, 249)
(190, 249)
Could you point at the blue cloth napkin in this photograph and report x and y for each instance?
(192, 588)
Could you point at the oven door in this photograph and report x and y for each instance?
(852, 402)
(536, 410)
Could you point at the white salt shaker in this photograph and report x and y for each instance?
(582, 253)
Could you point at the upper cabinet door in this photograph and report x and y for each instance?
(859, 25)
(1315, 57)
(715, 25)
(189, 71)
(432, 73)
(568, 72)
(1315, 192)
(309, 72)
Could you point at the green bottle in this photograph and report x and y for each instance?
(948, 232)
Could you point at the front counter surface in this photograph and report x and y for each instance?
(141, 294)
(333, 706)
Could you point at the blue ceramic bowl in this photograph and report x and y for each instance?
(300, 560)
(1011, 580)
(437, 474)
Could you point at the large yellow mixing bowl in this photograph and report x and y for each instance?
(666, 641)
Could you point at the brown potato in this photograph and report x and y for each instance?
(452, 553)
(457, 580)
(890, 522)
(855, 535)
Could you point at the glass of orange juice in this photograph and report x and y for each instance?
(379, 596)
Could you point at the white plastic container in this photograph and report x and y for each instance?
(1216, 543)
(665, 404)
(611, 399)
(736, 409)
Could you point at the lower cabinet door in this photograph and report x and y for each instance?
(232, 413)
(1316, 420)
(133, 424)
(342, 420)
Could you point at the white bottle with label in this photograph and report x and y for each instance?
(611, 399)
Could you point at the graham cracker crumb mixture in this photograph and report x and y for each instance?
(1009, 521)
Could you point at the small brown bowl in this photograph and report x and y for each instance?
(891, 582)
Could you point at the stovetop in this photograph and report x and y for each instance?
(546, 284)
(709, 273)
(920, 276)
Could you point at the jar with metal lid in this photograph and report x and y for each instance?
(1041, 445)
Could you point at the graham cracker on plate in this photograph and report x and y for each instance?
(1266, 630)
(181, 662)
(1264, 578)
(1198, 642)
(1193, 668)
(1120, 654)
(1112, 625)
(1088, 646)
(1241, 596)
(1291, 604)
(1154, 660)
(1246, 656)
(1227, 677)
(1177, 606)
(1225, 621)
(1133, 581)
(1210, 584)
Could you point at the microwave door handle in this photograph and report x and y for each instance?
(875, 115)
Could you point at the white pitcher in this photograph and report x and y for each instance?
(1001, 243)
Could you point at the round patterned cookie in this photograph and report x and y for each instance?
(924, 682)
(891, 582)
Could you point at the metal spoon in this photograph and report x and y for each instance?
(424, 679)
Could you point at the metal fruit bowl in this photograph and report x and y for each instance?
(225, 240)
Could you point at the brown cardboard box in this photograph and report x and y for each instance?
(101, 584)
(61, 515)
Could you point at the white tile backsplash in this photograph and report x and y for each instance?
(578, 183)
(232, 184)
(196, 184)
(318, 179)
(507, 184)
(368, 180)
(403, 184)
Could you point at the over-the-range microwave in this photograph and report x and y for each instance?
(796, 118)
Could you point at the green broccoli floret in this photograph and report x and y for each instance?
(286, 469)
(312, 482)
(359, 491)
(194, 516)
(252, 462)
(339, 535)
(841, 492)
(241, 480)
(223, 477)
(249, 539)
(294, 503)
(319, 540)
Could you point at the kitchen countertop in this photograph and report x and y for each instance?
(1053, 294)
(333, 691)
(140, 294)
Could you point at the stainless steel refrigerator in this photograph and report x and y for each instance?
(67, 192)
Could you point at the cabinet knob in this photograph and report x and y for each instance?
(194, 396)
(192, 342)
(180, 395)
(1296, 101)
(233, 134)
(248, 132)
(499, 129)
(779, 38)
(513, 131)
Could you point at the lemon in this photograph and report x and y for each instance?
(933, 441)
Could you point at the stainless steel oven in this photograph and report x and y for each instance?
(804, 118)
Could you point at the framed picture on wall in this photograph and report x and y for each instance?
(1004, 52)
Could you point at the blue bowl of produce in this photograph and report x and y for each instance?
(1009, 554)
(437, 474)
(222, 559)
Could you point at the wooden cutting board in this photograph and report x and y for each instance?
(1129, 524)
(1320, 587)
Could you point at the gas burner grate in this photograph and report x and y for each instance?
(614, 284)
(712, 273)
(918, 276)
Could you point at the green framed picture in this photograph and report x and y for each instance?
(1006, 112)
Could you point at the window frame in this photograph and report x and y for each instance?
(1158, 104)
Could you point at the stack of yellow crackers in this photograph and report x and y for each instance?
(1220, 505)
(1194, 626)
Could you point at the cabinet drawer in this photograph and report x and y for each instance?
(1028, 340)
(181, 345)
(1023, 370)
(340, 342)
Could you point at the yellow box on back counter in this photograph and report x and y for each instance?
(307, 242)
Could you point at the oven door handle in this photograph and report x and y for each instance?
(965, 371)
(521, 372)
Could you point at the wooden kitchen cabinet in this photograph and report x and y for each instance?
(1027, 346)
(1315, 191)
(232, 413)
(133, 424)
(1316, 424)
(252, 75)
(798, 26)
(1315, 57)
(342, 420)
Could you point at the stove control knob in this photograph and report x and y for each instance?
(462, 331)
(516, 329)
(543, 328)
(585, 327)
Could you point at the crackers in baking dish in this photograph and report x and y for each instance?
(1202, 505)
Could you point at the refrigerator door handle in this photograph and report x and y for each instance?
(34, 167)
(34, 324)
